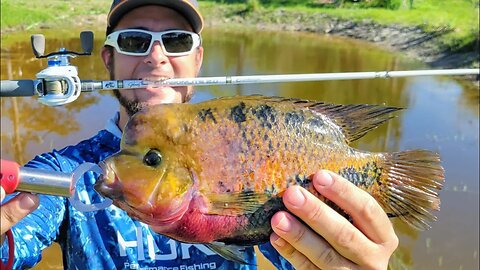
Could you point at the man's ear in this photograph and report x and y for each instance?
(199, 59)
(107, 57)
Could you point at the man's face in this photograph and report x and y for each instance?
(154, 66)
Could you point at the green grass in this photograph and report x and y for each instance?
(29, 14)
(461, 16)
(13, 14)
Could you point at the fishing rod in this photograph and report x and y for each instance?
(59, 83)
(25, 86)
(256, 79)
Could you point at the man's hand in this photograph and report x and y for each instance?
(14, 210)
(332, 242)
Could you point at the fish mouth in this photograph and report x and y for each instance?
(151, 212)
(148, 213)
(108, 185)
(108, 191)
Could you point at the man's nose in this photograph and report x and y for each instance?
(156, 55)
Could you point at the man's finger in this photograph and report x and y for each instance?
(2, 194)
(347, 240)
(304, 248)
(366, 213)
(16, 209)
(291, 254)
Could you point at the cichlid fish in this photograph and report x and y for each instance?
(214, 172)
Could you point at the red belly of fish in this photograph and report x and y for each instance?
(196, 227)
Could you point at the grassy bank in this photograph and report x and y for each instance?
(458, 20)
(24, 14)
(460, 16)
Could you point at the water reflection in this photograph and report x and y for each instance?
(32, 128)
(440, 115)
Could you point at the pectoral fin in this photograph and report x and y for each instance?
(235, 204)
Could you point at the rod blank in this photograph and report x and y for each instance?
(11, 88)
(226, 80)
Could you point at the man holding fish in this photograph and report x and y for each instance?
(157, 40)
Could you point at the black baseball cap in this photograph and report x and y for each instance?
(188, 8)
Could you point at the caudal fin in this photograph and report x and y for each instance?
(410, 182)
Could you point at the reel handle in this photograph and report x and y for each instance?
(38, 45)
(86, 38)
(20, 88)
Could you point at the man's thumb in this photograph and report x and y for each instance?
(16, 209)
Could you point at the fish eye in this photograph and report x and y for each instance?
(152, 158)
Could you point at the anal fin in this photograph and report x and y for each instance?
(230, 252)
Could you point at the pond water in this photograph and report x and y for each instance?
(442, 114)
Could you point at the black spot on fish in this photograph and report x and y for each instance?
(246, 139)
(244, 135)
(270, 190)
(364, 171)
(315, 122)
(238, 113)
(221, 185)
(302, 180)
(258, 229)
(364, 176)
(371, 169)
(206, 114)
(266, 115)
(351, 174)
(293, 118)
(274, 189)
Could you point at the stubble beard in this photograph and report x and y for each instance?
(134, 106)
(131, 106)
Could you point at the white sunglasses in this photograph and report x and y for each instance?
(137, 42)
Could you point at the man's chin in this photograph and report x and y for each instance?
(149, 97)
(162, 95)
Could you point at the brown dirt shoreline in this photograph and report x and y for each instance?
(411, 41)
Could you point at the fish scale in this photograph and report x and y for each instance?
(221, 166)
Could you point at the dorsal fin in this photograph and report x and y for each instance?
(355, 120)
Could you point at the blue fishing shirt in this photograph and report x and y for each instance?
(109, 238)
